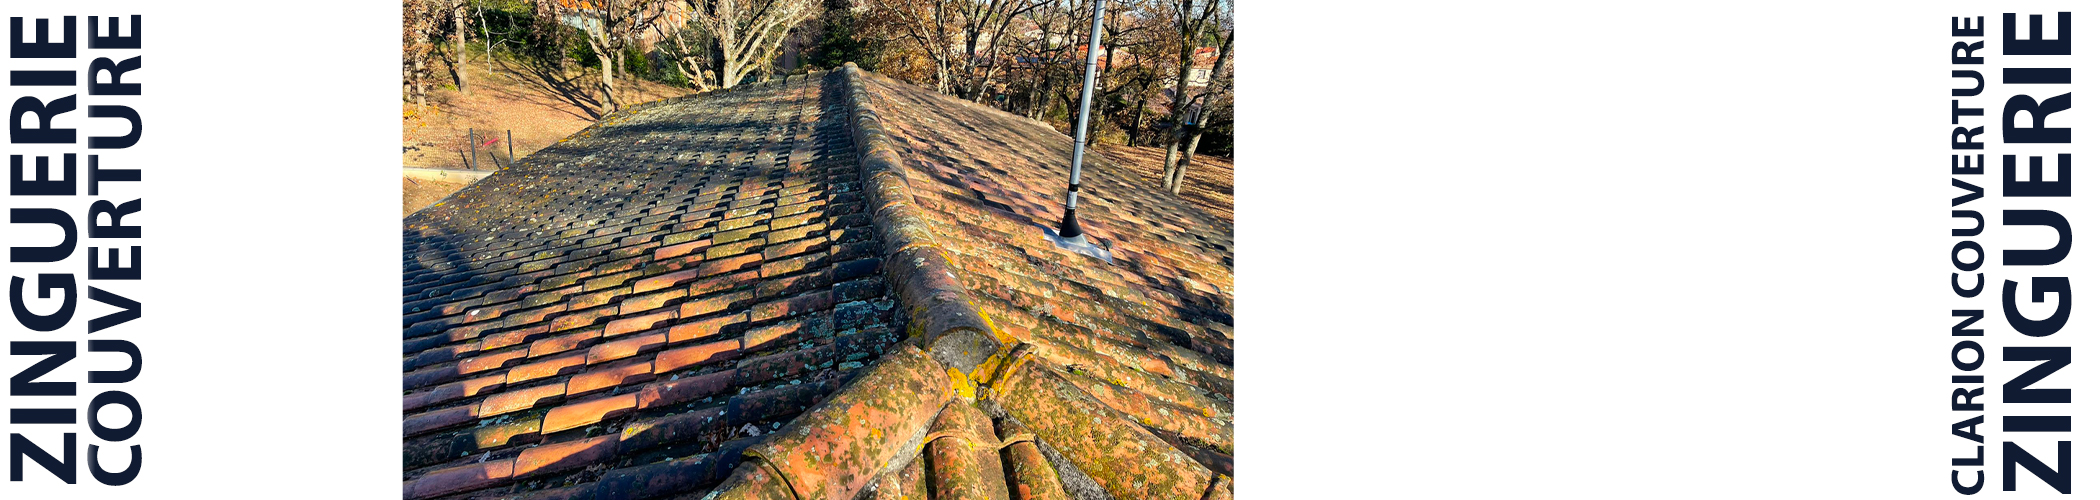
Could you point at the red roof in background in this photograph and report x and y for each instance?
(1205, 57)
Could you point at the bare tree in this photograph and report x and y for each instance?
(960, 38)
(459, 45)
(1124, 34)
(1146, 35)
(985, 25)
(610, 26)
(691, 50)
(1051, 50)
(1212, 97)
(1189, 26)
(929, 24)
(1027, 53)
(748, 32)
(488, 42)
(418, 23)
(1056, 78)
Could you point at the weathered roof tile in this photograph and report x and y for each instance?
(708, 293)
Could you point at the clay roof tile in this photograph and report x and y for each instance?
(809, 288)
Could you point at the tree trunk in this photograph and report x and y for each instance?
(1181, 109)
(940, 75)
(416, 80)
(733, 56)
(1190, 27)
(488, 44)
(1210, 96)
(605, 77)
(691, 62)
(1137, 114)
(1093, 121)
(1035, 100)
(459, 46)
(1182, 169)
(991, 57)
(1108, 68)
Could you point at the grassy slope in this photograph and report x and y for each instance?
(416, 194)
(1208, 183)
(538, 106)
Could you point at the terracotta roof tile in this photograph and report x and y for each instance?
(979, 187)
(707, 294)
(611, 376)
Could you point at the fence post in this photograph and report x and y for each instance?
(473, 159)
(510, 148)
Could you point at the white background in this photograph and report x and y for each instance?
(1652, 250)
(271, 297)
(1560, 249)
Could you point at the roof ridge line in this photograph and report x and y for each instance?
(904, 390)
(937, 307)
(921, 272)
(839, 446)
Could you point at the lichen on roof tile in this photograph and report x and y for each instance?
(774, 292)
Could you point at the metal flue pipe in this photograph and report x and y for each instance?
(1070, 228)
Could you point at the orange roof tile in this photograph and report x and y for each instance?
(812, 289)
